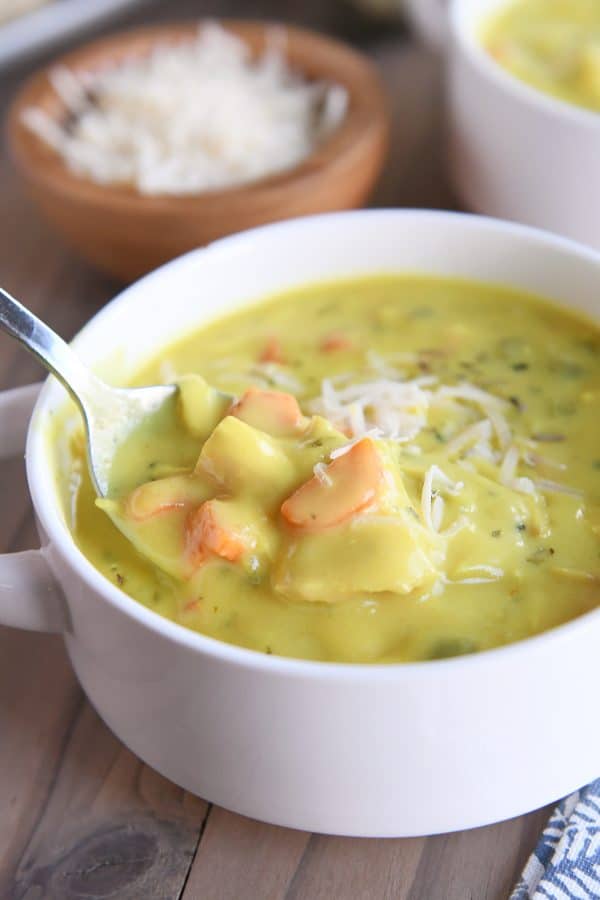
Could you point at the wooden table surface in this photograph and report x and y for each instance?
(81, 816)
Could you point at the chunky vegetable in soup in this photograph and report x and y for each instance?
(410, 470)
(553, 45)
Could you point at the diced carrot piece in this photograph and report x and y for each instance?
(272, 352)
(164, 495)
(347, 486)
(274, 412)
(191, 606)
(498, 50)
(206, 533)
(335, 341)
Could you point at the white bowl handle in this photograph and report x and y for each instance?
(430, 18)
(29, 595)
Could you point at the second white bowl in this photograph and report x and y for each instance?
(515, 152)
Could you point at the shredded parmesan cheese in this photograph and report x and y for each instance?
(458, 525)
(189, 117)
(474, 435)
(432, 510)
(398, 410)
(543, 484)
(509, 465)
(535, 459)
(490, 405)
(437, 512)
(374, 433)
(488, 575)
(269, 374)
(320, 471)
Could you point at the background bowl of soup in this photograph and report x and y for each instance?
(524, 136)
(378, 750)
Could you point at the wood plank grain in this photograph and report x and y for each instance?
(360, 868)
(480, 864)
(111, 825)
(38, 700)
(241, 858)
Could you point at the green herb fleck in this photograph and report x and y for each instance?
(540, 555)
(565, 409)
(567, 369)
(449, 647)
(420, 312)
(496, 533)
(327, 308)
(520, 366)
(548, 437)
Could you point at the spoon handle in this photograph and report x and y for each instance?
(45, 344)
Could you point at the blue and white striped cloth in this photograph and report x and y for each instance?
(565, 865)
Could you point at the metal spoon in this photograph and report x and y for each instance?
(109, 414)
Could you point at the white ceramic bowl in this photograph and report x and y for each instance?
(515, 152)
(361, 750)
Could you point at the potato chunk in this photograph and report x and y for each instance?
(200, 405)
(371, 554)
(246, 461)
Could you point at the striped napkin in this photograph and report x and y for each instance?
(565, 865)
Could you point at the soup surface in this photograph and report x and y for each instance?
(434, 490)
(553, 45)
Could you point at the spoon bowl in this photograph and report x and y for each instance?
(109, 414)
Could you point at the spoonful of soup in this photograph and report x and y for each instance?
(110, 414)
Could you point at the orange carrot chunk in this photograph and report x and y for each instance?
(191, 606)
(272, 352)
(347, 486)
(207, 532)
(274, 412)
(335, 341)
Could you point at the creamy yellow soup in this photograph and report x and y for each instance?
(553, 45)
(408, 470)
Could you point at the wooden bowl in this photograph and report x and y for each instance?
(127, 233)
